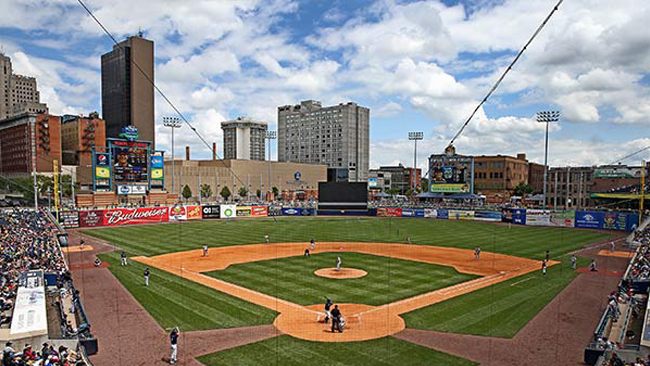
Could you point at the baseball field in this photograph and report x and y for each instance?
(397, 274)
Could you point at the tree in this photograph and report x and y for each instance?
(206, 190)
(243, 192)
(258, 193)
(275, 191)
(424, 185)
(522, 189)
(409, 192)
(187, 192)
(225, 192)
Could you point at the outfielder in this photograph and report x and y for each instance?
(338, 263)
(266, 239)
(544, 268)
(173, 338)
(123, 256)
(146, 276)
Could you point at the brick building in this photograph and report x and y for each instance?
(570, 187)
(536, 177)
(496, 176)
(79, 135)
(25, 137)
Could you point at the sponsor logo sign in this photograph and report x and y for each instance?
(177, 213)
(157, 173)
(487, 215)
(102, 172)
(461, 215)
(538, 217)
(194, 213)
(450, 188)
(125, 216)
(69, 219)
(244, 211)
(563, 218)
(408, 212)
(519, 216)
(592, 220)
(228, 211)
(211, 211)
(389, 212)
(275, 211)
(259, 211)
(291, 211)
(129, 189)
(430, 213)
(156, 161)
(91, 218)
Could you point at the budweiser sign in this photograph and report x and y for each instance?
(124, 216)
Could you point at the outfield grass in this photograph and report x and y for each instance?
(522, 241)
(288, 351)
(174, 301)
(388, 279)
(500, 310)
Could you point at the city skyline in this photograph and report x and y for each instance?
(417, 66)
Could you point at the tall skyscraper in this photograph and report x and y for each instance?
(337, 136)
(243, 138)
(18, 93)
(127, 89)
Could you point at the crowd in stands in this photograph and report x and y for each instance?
(48, 355)
(640, 266)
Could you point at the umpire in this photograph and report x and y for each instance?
(336, 319)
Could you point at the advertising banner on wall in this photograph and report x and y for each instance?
(443, 214)
(126, 216)
(275, 211)
(487, 215)
(228, 211)
(91, 218)
(244, 211)
(408, 212)
(590, 220)
(194, 213)
(177, 212)
(450, 188)
(563, 218)
(461, 215)
(259, 211)
(69, 219)
(211, 211)
(519, 216)
(102, 172)
(430, 213)
(538, 217)
(389, 212)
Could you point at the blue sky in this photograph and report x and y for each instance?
(418, 65)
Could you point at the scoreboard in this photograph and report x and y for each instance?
(130, 161)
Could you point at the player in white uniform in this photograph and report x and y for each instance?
(338, 263)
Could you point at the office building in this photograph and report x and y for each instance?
(127, 89)
(496, 176)
(337, 136)
(570, 187)
(29, 138)
(400, 178)
(79, 136)
(243, 138)
(18, 94)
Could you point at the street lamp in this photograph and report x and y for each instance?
(547, 117)
(415, 136)
(270, 135)
(173, 123)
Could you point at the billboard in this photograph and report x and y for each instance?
(194, 213)
(131, 189)
(244, 211)
(538, 217)
(461, 215)
(130, 161)
(617, 172)
(389, 212)
(430, 213)
(157, 170)
(589, 220)
(563, 218)
(487, 215)
(228, 211)
(211, 211)
(125, 216)
(297, 211)
(275, 211)
(450, 188)
(102, 172)
(519, 216)
(372, 182)
(177, 212)
(91, 218)
(450, 173)
(69, 219)
(259, 211)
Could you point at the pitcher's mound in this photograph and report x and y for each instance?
(343, 273)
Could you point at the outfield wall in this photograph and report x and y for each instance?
(621, 221)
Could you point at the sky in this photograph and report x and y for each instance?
(418, 66)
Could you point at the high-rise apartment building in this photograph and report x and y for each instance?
(243, 138)
(29, 141)
(127, 89)
(337, 135)
(18, 93)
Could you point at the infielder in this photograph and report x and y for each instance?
(123, 256)
(266, 239)
(612, 246)
(205, 250)
(574, 261)
(313, 244)
(477, 253)
(544, 268)
(173, 338)
(338, 263)
(146, 276)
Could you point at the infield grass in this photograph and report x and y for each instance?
(174, 301)
(289, 351)
(521, 241)
(388, 279)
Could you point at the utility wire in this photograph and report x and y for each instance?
(160, 92)
(507, 70)
(629, 155)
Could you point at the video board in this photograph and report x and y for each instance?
(450, 174)
(130, 161)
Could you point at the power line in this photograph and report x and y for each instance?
(507, 70)
(630, 155)
(178, 112)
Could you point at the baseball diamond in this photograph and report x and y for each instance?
(385, 287)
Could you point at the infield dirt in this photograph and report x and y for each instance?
(364, 322)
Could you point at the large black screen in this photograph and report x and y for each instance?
(343, 193)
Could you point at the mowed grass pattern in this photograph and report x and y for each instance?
(388, 279)
(500, 310)
(174, 301)
(288, 351)
(522, 241)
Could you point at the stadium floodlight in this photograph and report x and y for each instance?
(547, 117)
(173, 123)
(415, 136)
